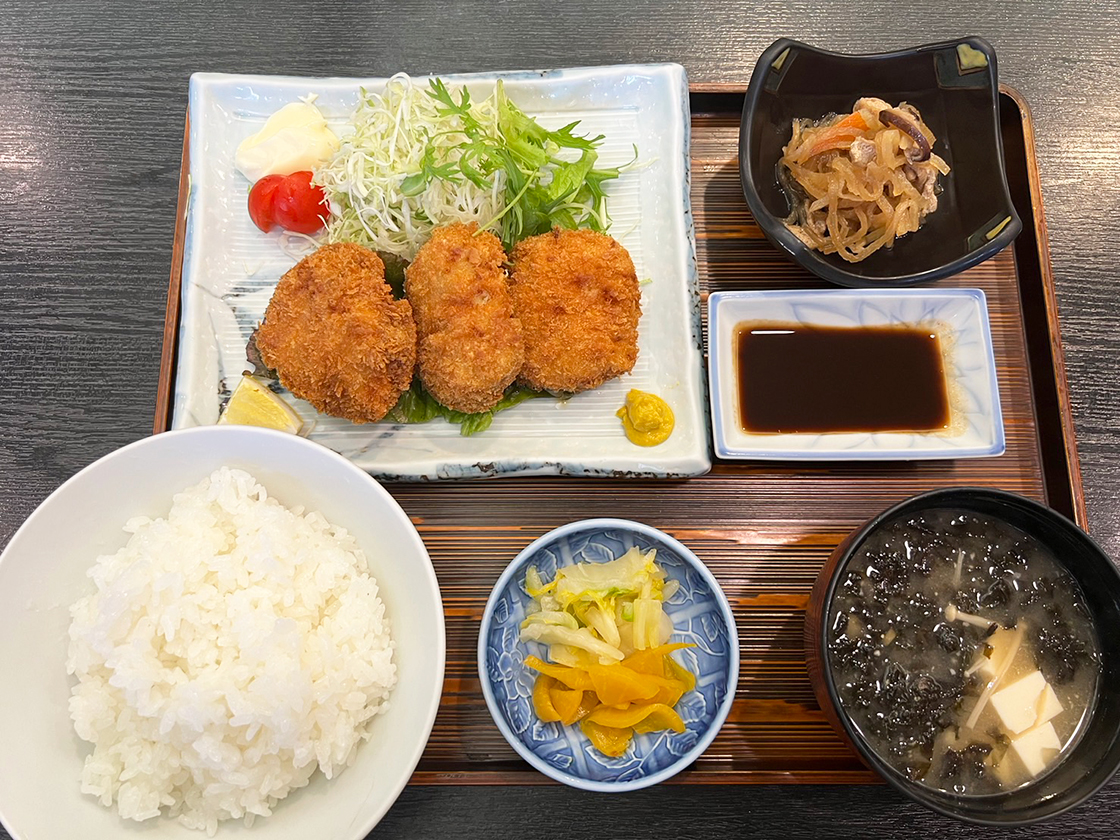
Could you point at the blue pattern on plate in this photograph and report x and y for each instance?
(961, 317)
(230, 270)
(700, 615)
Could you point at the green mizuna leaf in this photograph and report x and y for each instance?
(543, 188)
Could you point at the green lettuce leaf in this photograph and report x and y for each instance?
(416, 405)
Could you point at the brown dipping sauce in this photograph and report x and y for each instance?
(796, 378)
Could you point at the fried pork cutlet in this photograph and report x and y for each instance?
(470, 348)
(336, 337)
(576, 293)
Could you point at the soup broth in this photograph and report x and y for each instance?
(962, 651)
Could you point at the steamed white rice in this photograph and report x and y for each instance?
(229, 651)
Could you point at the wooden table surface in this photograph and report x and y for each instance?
(92, 97)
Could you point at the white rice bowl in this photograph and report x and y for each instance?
(251, 726)
(230, 650)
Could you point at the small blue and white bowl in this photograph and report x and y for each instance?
(700, 614)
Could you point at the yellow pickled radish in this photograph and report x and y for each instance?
(679, 673)
(617, 685)
(607, 739)
(568, 703)
(253, 404)
(574, 678)
(643, 717)
(542, 699)
(654, 660)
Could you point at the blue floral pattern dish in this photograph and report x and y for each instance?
(230, 270)
(960, 318)
(700, 614)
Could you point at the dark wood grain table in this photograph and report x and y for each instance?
(92, 98)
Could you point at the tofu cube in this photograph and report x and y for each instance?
(1037, 748)
(1048, 705)
(988, 666)
(1018, 704)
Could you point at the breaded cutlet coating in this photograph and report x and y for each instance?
(469, 343)
(336, 337)
(576, 293)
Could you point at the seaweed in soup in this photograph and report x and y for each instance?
(935, 613)
(948, 637)
(968, 765)
(1060, 652)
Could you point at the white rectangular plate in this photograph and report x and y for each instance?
(962, 319)
(230, 269)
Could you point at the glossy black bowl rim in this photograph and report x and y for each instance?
(786, 241)
(911, 789)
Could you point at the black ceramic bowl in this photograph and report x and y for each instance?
(958, 100)
(1094, 758)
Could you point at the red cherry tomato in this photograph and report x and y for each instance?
(260, 201)
(288, 201)
(298, 205)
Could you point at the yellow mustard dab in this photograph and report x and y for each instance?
(646, 418)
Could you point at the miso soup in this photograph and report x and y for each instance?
(962, 651)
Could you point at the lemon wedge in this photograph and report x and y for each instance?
(252, 404)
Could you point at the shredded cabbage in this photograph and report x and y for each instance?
(561, 619)
(420, 157)
(395, 133)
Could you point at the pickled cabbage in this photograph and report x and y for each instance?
(607, 609)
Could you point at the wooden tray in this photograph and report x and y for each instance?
(764, 529)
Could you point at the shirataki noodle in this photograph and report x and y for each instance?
(861, 180)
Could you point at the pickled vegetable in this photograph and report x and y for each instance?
(612, 669)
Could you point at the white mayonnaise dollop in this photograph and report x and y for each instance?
(295, 138)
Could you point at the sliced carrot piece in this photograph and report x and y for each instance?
(853, 120)
(837, 136)
(844, 142)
